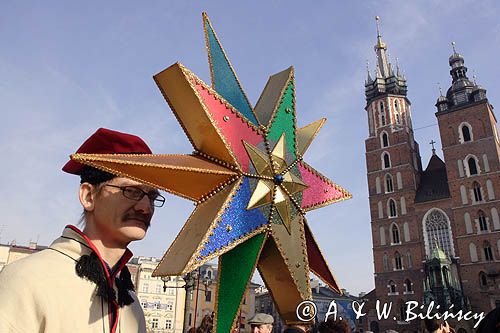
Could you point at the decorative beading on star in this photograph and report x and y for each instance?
(248, 179)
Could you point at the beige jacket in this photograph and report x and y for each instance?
(43, 293)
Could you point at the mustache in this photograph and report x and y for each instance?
(133, 215)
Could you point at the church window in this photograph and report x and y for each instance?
(398, 263)
(472, 164)
(491, 191)
(468, 223)
(473, 252)
(398, 118)
(483, 280)
(437, 228)
(377, 185)
(488, 253)
(382, 235)
(495, 218)
(380, 210)
(403, 205)
(388, 184)
(483, 225)
(460, 165)
(463, 194)
(408, 286)
(395, 234)
(406, 231)
(392, 208)
(409, 259)
(478, 195)
(399, 180)
(392, 287)
(466, 133)
(396, 105)
(382, 114)
(385, 140)
(486, 163)
(386, 262)
(386, 160)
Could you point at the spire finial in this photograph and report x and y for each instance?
(453, 46)
(377, 18)
(474, 77)
(433, 149)
(440, 90)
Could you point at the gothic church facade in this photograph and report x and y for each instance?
(435, 231)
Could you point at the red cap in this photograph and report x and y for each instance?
(106, 141)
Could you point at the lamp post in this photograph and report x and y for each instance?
(191, 282)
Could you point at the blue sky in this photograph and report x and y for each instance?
(66, 70)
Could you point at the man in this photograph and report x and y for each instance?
(261, 323)
(332, 325)
(80, 283)
(437, 326)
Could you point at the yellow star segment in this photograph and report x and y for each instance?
(275, 183)
(262, 195)
(292, 183)
(259, 160)
(278, 155)
(306, 134)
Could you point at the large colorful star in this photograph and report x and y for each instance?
(248, 179)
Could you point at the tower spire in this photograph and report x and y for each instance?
(381, 49)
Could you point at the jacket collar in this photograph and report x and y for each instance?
(74, 244)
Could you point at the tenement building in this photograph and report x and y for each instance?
(435, 231)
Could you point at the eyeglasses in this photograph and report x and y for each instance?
(135, 193)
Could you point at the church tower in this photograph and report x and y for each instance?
(393, 172)
(471, 149)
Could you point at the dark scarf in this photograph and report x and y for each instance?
(90, 268)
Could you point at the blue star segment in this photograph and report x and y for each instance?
(235, 223)
(224, 79)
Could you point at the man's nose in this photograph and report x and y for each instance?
(145, 205)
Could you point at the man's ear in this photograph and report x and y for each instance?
(87, 196)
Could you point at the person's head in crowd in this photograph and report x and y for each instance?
(332, 325)
(261, 323)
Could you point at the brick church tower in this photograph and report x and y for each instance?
(394, 171)
(435, 232)
(471, 149)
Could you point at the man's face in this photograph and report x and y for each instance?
(262, 328)
(117, 218)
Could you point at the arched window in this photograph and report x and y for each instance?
(388, 184)
(483, 225)
(437, 228)
(473, 252)
(392, 287)
(377, 185)
(398, 263)
(398, 118)
(382, 114)
(478, 195)
(409, 259)
(483, 280)
(468, 223)
(472, 164)
(488, 253)
(466, 133)
(489, 188)
(392, 208)
(386, 262)
(386, 160)
(384, 140)
(408, 286)
(382, 235)
(395, 234)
